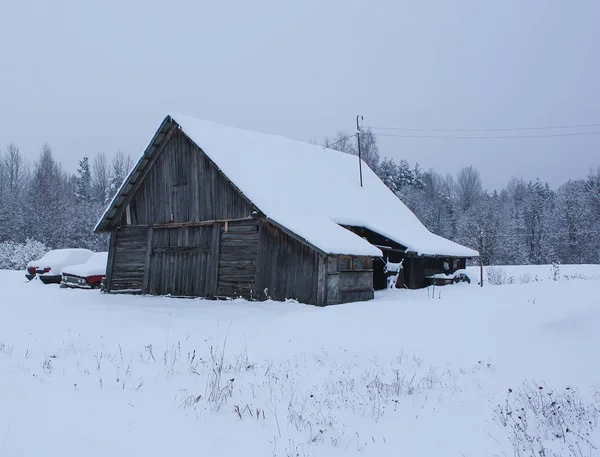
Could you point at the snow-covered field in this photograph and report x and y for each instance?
(441, 372)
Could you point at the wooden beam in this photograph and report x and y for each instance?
(321, 280)
(146, 285)
(355, 289)
(215, 254)
(169, 225)
(111, 260)
(181, 248)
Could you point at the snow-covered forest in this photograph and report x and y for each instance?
(43, 206)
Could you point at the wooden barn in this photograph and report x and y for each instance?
(215, 211)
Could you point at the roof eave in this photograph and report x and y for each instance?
(114, 207)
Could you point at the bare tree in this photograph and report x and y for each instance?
(468, 187)
(120, 167)
(16, 170)
(369, 150)
(100, 178)
(341, 142)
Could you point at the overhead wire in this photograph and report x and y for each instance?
(329, 146)
(486, 137)
(503, 129)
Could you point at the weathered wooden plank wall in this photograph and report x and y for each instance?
(349, 279)
(180, 261)
(238, 250)
(184, 185)
(356, 285)
(286, 268)
(127, 272)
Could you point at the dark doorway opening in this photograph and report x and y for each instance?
(389, 263)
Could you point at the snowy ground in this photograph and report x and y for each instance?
(418, 373)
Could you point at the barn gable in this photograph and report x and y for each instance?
(174, 182)
(195, 189)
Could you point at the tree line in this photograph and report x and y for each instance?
(527, 222)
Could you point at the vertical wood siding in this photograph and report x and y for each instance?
(180, 261)
(286, 268)
(183, 185)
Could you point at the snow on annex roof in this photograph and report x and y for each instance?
(311, 190)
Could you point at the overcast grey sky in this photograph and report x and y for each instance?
(100, 76)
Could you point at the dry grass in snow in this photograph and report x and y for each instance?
(500, 370)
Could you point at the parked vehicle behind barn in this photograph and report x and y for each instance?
(49, 266)
(87, 275)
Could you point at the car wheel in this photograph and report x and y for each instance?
(462, 278)
(96, 285)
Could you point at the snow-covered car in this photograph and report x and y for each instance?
(87, 275)
(48, 268)
(442, 279)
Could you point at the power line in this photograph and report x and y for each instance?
(330, 146)
(574, 126)
(480, 137)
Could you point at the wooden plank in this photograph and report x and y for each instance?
(239, 238)
(333, 289)
(355, 289)
(239, 264)
(332, 264)
(247, 225)
(362, 279)
(230, 257)
(179, 249)
(213, 274)
(346, 297)
(147, 263)
(322, 280)
(172, 225)
(236, 279)
(111, 259)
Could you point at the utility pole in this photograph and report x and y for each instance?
(358, 142)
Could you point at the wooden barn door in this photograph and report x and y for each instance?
(238, 250)
(127, 258)
(180, 261)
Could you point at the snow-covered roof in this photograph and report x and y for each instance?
(311, 191)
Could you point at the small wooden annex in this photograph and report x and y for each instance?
(195, 219)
